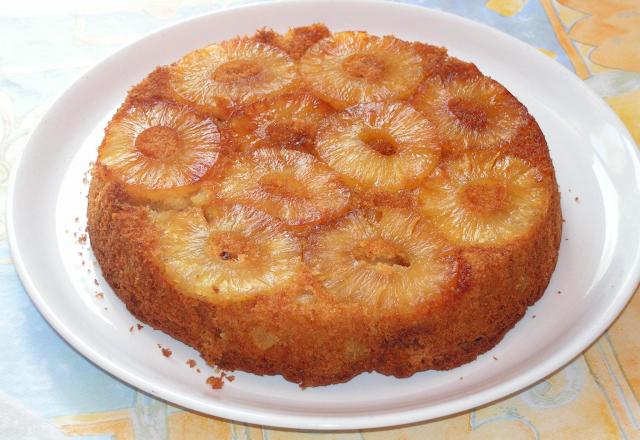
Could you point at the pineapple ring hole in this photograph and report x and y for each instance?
(365, 66)
(485, 196)
(468, 113)
(159, 142)
(283, 185)
(229, 246)
(226, 255)
(379, 251)
(237, 71)
(379, 140)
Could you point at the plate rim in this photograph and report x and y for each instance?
(315, 422)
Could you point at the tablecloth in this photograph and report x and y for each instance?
(47, 390)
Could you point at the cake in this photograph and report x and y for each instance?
(317, 205)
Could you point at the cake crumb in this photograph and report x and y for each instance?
(95, 281)
(131, 329)
(191, 363)
(166, 352)
(100, 295)
(140, 326)
(577, 199)
(559, 292)
(82, 239)
(106, 308)
(460, 378)
(197, 370)
(494, 358)
(533, 317)
(77, 219)
(215, 382)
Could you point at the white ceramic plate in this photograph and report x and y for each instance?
(598, 269)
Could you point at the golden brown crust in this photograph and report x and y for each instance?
(153, 88)
(323, 340)
(296, 41)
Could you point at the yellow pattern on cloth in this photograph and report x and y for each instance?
(627, 106)
(508, 8)
(549, 53)
(612, 28)
(597, 35)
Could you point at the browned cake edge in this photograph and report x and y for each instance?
(445, 336)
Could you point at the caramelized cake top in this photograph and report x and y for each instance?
(346, 166)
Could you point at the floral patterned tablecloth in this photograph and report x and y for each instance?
(47, 390)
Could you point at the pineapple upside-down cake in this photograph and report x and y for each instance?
(319, 205)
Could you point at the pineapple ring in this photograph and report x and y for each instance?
(286, 121)
(484, 199)
(240, 71)
(393, 262)
(355, 67)
(385, 146)
(290, 185)
(239, 253)
(475, 112)
(159, 146)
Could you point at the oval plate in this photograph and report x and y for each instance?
(597, 271)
